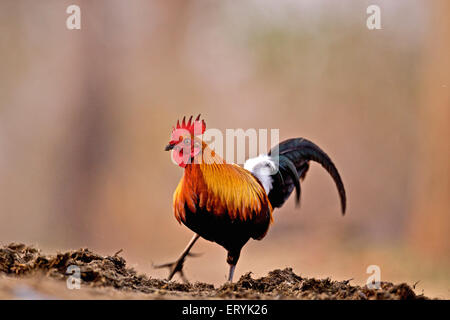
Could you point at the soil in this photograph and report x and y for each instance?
(26, 273)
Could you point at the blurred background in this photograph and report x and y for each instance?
(85, 115)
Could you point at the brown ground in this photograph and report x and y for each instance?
(25, 273)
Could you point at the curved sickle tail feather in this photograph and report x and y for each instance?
(293, 158)
(288, 167)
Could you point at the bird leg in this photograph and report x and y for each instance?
(230, 275)
(232, 259)
(177, 266)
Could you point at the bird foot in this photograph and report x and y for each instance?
(176, 266)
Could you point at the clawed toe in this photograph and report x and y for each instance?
(177, 266)
(173, 267)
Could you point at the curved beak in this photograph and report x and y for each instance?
(169, 147)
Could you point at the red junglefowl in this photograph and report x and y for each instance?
(228, 204)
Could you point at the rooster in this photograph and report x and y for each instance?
(229, 204)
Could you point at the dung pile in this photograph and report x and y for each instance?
(106, 272)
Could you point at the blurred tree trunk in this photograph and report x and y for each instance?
(89, 139)
(430, 222)
(89, 128)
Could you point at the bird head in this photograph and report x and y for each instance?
(184, 141)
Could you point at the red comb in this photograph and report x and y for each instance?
(195, 127)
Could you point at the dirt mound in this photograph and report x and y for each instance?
(96, 271)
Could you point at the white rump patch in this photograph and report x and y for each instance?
(262, 167)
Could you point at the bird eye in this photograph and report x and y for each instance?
(187, 141)
(196, 145)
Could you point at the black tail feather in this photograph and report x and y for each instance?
(298, 152)
(286, 165)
